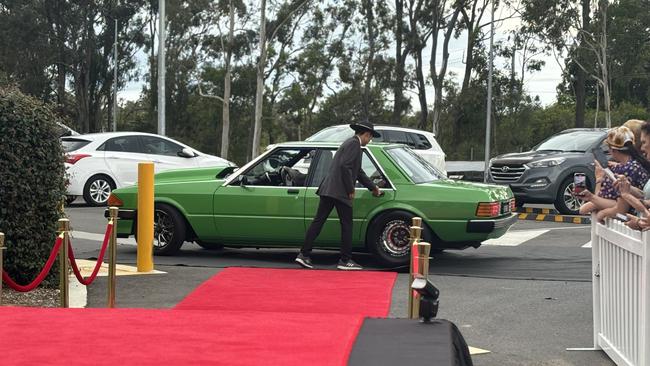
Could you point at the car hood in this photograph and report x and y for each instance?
(193, 174)
(528, 156)
(494, 192)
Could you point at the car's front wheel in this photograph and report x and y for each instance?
(97, 190)
(566, 202)
(169, 229)
(389, 237)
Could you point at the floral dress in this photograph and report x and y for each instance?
(632, 170)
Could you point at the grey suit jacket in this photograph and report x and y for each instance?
(344, 172)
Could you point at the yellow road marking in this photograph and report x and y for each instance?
(86, 268)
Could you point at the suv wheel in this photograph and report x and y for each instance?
(565, 201)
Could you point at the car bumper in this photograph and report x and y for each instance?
(488, 226)
(125, 222)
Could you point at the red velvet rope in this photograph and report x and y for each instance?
(100, 259)
(41, 276)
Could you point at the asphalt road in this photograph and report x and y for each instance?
(525, 297)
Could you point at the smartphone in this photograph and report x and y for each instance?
(622, 217)
(609, 174)
(579, 183)
(600, 156)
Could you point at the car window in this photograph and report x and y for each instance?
(283, 167)
(332, 134)
(122, 144)
(420, 141)
(416, 168)
(72, 144)
(325, 161)
(157, 146)
(570, 141)
(398, 137)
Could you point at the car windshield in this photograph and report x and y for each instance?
(332, 134)
(571, 141)
(72, 144)
(416, 168)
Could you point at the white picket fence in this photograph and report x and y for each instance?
(621, 292)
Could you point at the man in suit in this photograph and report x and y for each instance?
(337, 191)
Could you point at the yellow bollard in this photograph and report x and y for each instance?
(415, 234)
(2, 248)
(421, 270)
(112, 256)
(64, 227)
(145, 217)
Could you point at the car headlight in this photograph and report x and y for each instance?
(545, 163)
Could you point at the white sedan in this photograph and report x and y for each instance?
(100, 162)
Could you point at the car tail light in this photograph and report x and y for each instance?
(513, 205)
(73, 158)
(488, 209)
(113, 200)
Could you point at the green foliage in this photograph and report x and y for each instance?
(32, 187)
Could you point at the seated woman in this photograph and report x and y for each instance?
(621, 145)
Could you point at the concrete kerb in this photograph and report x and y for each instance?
(547, 214)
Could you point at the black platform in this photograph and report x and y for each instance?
(409, 342)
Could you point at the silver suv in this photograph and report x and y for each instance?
(545, 173)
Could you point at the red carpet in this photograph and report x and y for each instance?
(34, 336)
(297, 291)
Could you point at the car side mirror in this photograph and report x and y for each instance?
(186, 153)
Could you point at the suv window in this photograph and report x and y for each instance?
(398, 137)
(157, 146)
(421, 141)
(122, 144)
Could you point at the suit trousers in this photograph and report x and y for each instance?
(325, 206)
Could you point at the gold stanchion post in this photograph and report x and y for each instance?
(64, 227)
(415, 235)
(112, 256)
(421, 262)
(145, 217)
(2, 248)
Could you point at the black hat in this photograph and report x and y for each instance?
(365, 126)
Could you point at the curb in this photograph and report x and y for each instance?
(552, 215)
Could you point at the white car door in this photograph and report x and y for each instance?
(164, 154)
(122, 155)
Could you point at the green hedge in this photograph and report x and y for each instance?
(32, 184)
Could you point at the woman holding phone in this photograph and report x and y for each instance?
(607, 201)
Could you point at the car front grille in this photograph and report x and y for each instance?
(507, 172)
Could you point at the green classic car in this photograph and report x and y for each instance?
(271, 201)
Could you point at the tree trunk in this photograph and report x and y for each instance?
(370, 17)
(259, 94)
(581, 77)
(225, 134)
(605, 71)
(398, 91)
(422, 95)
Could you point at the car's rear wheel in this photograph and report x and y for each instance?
(97, 190)
(169, 229)
(388, 238)
(566, 202)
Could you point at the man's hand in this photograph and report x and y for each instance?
(376, 192)
(351, 195)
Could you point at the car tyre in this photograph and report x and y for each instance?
(97, 189)
(565, 202)
(169, 230)
(388, 238)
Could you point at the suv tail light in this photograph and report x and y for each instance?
(73, 158)
(488, 209)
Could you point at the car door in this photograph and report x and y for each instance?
(363, 204)
(265, 203)
(164, 154)
(122, 155)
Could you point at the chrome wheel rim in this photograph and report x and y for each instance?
(99, 190)
(163, 229)
(572, 202)
(394, 239)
